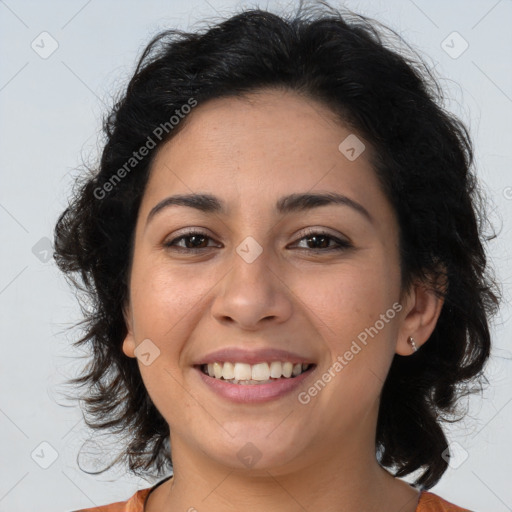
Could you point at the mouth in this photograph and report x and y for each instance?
(254, 374)
(250, 376)
(245, 383)
(235, 382)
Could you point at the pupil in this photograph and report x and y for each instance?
(321, 237)
(193, 239)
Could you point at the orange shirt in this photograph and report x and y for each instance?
(428, 502)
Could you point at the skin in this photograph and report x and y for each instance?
(249, 152)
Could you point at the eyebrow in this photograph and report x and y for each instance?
(292, 203)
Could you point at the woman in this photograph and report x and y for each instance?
(285, 270)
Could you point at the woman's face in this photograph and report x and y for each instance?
(271, 279)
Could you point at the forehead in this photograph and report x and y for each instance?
(261, 146)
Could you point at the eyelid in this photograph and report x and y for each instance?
(189, 231)
(318, 230)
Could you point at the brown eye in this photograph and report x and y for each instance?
(321, 242)
(192, 241)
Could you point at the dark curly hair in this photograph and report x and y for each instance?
(423, 159)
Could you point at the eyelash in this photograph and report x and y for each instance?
(342, 244)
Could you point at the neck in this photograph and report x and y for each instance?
(350, 482)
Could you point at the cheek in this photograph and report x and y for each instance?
(167, 305)
(349, 298)
(346, 308)
(163, 298)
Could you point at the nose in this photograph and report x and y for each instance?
(252, 294)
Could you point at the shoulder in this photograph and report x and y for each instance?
(134, 504)
(430, 502)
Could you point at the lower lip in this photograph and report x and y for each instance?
(248, 393)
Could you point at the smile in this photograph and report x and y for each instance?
(245, 389)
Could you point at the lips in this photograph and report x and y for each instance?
(254, 392)
(217, 371)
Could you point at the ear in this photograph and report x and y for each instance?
(421, 312)
(129, 344)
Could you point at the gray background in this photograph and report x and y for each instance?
(51, 112)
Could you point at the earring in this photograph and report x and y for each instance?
(413, 345)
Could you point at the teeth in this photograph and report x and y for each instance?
(217, 370)
(260, 373)
(287, 370)
(228, 371)
(243, 371)
(276, 369)
(297, 369)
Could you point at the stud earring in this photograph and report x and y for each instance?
(413, 345)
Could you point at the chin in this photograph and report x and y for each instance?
(258, 451)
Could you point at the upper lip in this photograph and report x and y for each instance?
(239, 355)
